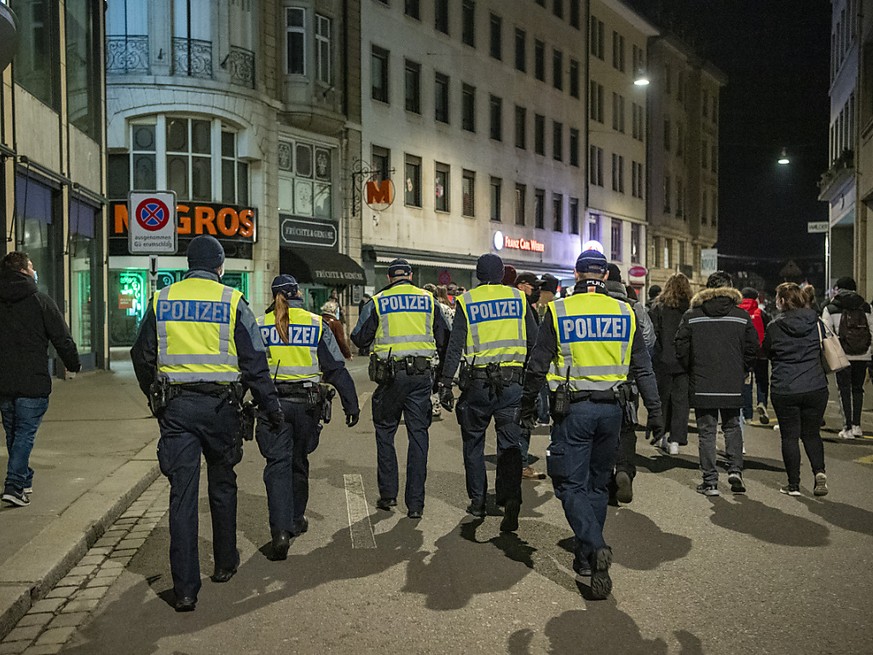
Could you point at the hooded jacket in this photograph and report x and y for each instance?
(792, 342)
(717, 344)
(760, 319)
(29, 321)
(665, 321)
(846, 299)
(618, 291)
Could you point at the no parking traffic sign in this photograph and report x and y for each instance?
(151, 227)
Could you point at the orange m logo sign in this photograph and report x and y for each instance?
(380, 192)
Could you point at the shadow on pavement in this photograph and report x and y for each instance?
(840, 515)
(766, 523)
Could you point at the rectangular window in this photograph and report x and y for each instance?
(539, 134)
(639, 63)
(558, 8)
(468, 108)
(713, 160)
(520, 197)
(680, 198)
(496, 188)
(496, 114)
(540, 60)
(520, 127)
(574, 216)
(412, 9)
(558, 70)
(84, 72)
(468, 190)
(714, 212)
(668, 79)
(441, 187)
(667, 193)
(596, 37)
(413, 86)
(574, 78)
(638, 179)
(557, 141)
(323, 49)
(539, 208)
(441, 16)
(574, 14)
(704, 208)
(704, 154)
(468, 22)
(557, 212)
(680, 140)
(614, 172)
(574, 147)
(621, 114)
(379, 74)
(596, 101)
(496, 40)
(381, 163)
(636, 242)
(295, 41)
(595, 166)
(668, 135)
(704, 103)
(638, 122)
(594, 228)
(615, 235)
(441, 97)
(520, 50)
(668, 251)
(412, 183)
(618, 51)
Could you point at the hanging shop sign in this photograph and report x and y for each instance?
(225, 222)
(379, 194)
(502, 241)
(304, 231)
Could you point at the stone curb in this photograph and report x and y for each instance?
(35, 568)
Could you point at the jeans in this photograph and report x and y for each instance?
(524, 446)
(707, 423)
(21, 419)
(800, 417)
(543, 405)
(627, 447)
(761, 374)
(580, 459)
(850, 382)
(673, 390)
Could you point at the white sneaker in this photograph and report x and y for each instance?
(846, 433)
(857, 432)
(674, 447)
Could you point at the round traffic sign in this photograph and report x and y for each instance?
(152, 214)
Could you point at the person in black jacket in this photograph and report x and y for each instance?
(529, 285)
(666, 314)
(798, 385)
(717, 344)
(29, 320)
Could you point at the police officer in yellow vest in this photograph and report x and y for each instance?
(406, 332)
(300, 352)
(587, 344)
(197, 351)
(494, 330)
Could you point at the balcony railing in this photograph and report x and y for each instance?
(192, 57)
(832, 180)
(127, 54)
(240, 63)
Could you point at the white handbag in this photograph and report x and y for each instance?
(833, 357)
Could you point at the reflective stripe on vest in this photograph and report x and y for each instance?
(297, 360)
(594, 334)
(195, 321)
(496, 331)
(405, 326)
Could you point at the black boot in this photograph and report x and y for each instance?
(281, 544)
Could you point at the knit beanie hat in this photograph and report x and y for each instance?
(489, 268)
(205, 253)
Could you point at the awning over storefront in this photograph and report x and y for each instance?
(321, 266)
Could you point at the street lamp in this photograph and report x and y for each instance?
(641, 79)
(783, 159)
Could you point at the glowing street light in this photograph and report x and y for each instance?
(783, 159)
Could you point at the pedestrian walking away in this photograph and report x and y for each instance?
(529, 285)
(29, 322)
(330, 316)
(587, 345)
(493, 330)
(849, 316)
(761, 370)
(621, 485)
(654, 292)
(717, 345)
(799, 385)
(198, 350)
(666, 314)
(406, 332)
(301, 352)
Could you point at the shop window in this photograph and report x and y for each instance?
(85, 271)
(38, 230)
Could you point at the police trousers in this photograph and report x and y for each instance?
(580, 459)
(192, 425)
(476, 407)
(407, 396)
(286, 473)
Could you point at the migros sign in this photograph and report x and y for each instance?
(221, 221)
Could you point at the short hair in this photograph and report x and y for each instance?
(654, 291)
(719, 279)
(16, 261)
(792, 296)
(846, 283)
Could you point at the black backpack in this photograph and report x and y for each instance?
(854, 331)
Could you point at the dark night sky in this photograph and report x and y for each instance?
(776, 55)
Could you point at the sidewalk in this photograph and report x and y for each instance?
(94, 454)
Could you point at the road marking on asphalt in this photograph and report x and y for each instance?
(865, 460)
(360, 528)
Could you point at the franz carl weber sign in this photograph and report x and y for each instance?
(300, 231)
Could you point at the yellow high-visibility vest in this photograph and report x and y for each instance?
(496, 331)
(195, 325)
(297, 360)
(595, 334)
(405, 322)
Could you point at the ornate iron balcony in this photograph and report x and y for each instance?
(127, 54)
(192, 57)
(241, 65)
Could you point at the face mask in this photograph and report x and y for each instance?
(534, 296)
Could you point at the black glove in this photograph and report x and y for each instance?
(276, 419)
(655, 426)
(526, 415)
(447, 400)
(352, 419)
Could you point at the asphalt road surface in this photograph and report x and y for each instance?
(754, 573)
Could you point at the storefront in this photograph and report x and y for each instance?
(427, 267)
(309, 252)
(234, 226)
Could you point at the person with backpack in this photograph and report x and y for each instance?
(849, 317)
